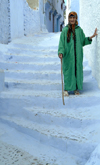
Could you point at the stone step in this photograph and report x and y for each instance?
(55, 94)
(33, 93)
(35, 51)
(32, 47)
(42, 74)
(78, 116)
(28, 53)
(51, 99)
(43, 56)
(51, 110)
(32, 58)
(30, 66)
(46, 85)
(37, 104)
(75, 141)
(43, 155)
(65, 116)
(42, 85)
(10, 154)
(31, 75)
(87, 71)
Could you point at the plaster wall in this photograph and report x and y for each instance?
(68, 9)
(16, 18)
(89, 20)
(4, 21)
(31, 20)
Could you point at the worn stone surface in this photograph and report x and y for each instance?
(10, 155)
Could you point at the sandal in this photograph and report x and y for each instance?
(76, 92)
(66, 93)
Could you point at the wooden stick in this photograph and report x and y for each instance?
(62, 84)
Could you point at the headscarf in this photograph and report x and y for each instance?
(71, 28)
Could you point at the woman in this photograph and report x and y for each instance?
(70, 50)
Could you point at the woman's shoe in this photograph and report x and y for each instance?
(76, 92)
(66, 93)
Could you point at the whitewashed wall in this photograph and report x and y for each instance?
(16, 18)
(42, 16)
(31, 20)
(89, 20)
(4, 21)
(68, 10)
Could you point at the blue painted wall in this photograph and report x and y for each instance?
(57, 24)
(48, 22)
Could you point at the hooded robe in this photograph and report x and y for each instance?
(73, 58)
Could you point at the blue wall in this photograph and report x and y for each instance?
(48, 22)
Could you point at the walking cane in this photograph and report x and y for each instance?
(62, 84)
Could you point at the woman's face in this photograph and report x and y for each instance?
(72, 20)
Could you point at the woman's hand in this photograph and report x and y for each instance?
(95, 34)
(60, 56)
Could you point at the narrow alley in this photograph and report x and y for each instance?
(33, 119)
